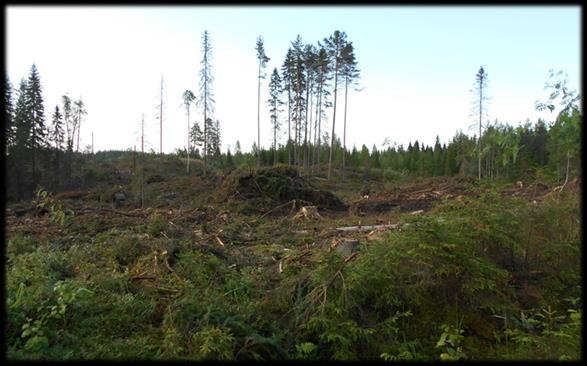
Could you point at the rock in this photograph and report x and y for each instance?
(155, 179)
(170, 197)
(347, 246)
(118, 198)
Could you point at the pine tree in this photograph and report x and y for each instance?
(263, 59)
(480, 98)
(350, 73)
(322, 74)
(160, 106)
(310, 57)
(274, 103)
(299, 86)
(78, 111)
(334, 45)
(69, 128)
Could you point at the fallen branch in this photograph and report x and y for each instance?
(275, 208)
(144, 277)
(170, 269)
(84, 210)
(349, 258)
(218, 240)
(366, 228)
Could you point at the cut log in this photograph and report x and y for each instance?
(307, 212)
(366, 228)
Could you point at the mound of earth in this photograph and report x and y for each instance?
(275, 185)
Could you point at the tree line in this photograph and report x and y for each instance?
(308, 79)
(39, 152)
(540, 150)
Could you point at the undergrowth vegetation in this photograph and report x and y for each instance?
(482, 277)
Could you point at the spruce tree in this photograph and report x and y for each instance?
(57, 137)
(22, 132)
(287, 72)
(196, 136)
(206, 93)
(38, 138)
(274, 103)
(188, 98)
(8, 113)
(57, 129)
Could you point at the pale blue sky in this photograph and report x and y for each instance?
(418, 65)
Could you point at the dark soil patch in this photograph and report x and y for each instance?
(418, 195)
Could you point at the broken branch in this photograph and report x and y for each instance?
(366, 228)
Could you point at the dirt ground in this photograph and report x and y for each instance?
(260, 227)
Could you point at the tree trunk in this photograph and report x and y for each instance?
(161, 128)
(143, 162)
(259, 118)
(319, 136)
(56, 169)
(288, 146)
(274, 145)
(316, 134)
(306, 126)
(296, 127)
(310, 131)
(188, 146)
(346, 84)
(79, 128)
(333, 120)
(567, 171)
(205, 127)
(480, 117)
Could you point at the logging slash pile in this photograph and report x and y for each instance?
(266, 187)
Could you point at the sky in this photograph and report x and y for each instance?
(418, 66)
